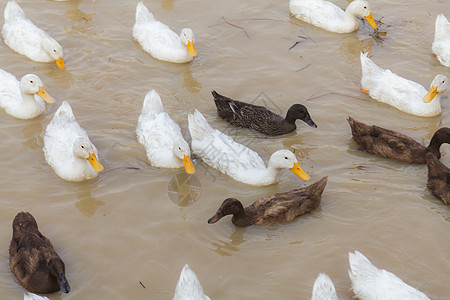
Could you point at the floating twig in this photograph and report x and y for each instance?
(303, 68)
(142, 284)
(297, 42)
(237, 26)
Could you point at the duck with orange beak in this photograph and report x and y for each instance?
(22, 36)
(160, 41)
(67, 148)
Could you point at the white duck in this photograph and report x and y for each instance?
(406, 95)
(323, 288)
(328, 16)
(441, 44)
(160, 41)
(22, 99)
(21, 35)
(31, 296)
(188, 286)
(67, 147)
(161, 136)
(371, 283)
(236, 160)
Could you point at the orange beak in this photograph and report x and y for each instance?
(300, 173)
(371, 21)
(45, 96)
(191, 49)
(92, 159)
(430, 95)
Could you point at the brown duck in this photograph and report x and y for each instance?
(391, 144)
(278, 208)
(32, 259)
(438, 178)
(259, 118)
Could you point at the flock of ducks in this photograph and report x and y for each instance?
(73, 157)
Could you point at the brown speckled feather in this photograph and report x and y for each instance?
(438, 178)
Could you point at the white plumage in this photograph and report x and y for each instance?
(31, 296)
(188, 286)
(323, 288)
(371, 283)
(441, 43)
(22, 99)
(328, 16)
(21, 35)
(161, 136)
(236, 160)
(67, 147)
(406, 95)
(160, 41)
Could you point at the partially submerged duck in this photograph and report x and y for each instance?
(160, 41)
(236, 160)
(259, 118)
(161, 136)
(405, 95)
(391, 144)
(188, 286)
(278, 208)
(23, 99)
(438, 178)
(441, 43)
(22, 36)
(33, 260)
(31, 296)
(323, 288)
(328, 16)
(67, 147)
(371, 283)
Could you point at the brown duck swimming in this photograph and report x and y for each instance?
(391, 144)
(438, 178)
(259, 118)
(32, 259)
(278, 208)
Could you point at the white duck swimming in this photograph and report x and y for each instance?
(188, 286)
(371, 283)
(236, 160)
(160, 41)
(161, 136)
(441, 44)
(21, 35)
(22, 99)
(406, 95)
(67, 147)
(323, 288)
(328, 16)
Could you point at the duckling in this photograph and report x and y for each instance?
(274, 209)
(20, 98)
(438, 178)
(371, 283)
(259, 118)
(32, 259)
(188, 286)
(391, 144)
(323, 288)
(22, 36)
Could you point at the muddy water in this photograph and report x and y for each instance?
(130, 229)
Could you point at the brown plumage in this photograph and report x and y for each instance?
(259, 118)
(32, 259)
(278, 208)
(391, 144)
(438, 178)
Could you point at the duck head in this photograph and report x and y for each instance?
(82, 148)
(298, 111)
(361, 8)
(182, 151)
(54, 50)
(438, 86)
(24, 222)
(188, 39)
(285, 159)
(230, 206)
(32, 84)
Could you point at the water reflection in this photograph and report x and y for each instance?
(73, 13)
(32, 133)
(184, 189)
(189, 82)
(167, 4)
(224, 248)
(87, 205)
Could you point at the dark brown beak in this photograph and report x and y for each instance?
(216, 217)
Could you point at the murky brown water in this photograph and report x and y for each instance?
(125, 228)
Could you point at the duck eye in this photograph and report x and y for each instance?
(54, 50)
(365, 7)
(82, 146)
(31, 81)
(285, 157)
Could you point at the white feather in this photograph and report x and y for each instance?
(323, 288)
(188, 286)
(441, 43)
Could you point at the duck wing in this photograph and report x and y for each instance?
(438, 178)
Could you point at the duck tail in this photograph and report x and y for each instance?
(188, 286)
(64, 113)
(318, 187)
(361, 268)
(368, 66)
(198, 126)
(357, 127)
(12, 11)
(324, 288)
(152, 104)
(143, 14)
(441, 28)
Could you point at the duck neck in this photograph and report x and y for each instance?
(241, 218)
(271, 174)
(435, 144)
(28, 99)
(350, 18)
